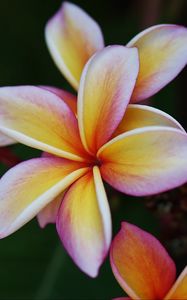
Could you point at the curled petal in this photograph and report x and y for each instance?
(72, 37)
(49, 213)
(69, 98)
(105, 89)
(179, 289)
(163, 54)
(138, 116)
(140, 264)
(30, 186)
(145, 161)
(38, 118)
(84, 223)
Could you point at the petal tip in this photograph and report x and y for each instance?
(162, 52)
(92, 269)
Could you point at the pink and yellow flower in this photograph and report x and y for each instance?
(143, 267)
(137, 149)
(73, 37)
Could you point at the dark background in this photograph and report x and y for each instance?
(33, 264)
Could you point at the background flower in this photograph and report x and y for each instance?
(143, 267)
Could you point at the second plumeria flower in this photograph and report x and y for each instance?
(138, 150)
(143, 267)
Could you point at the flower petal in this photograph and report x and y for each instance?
(138, 116)
(145, 161)
(49, 213)
(105, 89)
(38, 118)
(5, 140)
(72, 37)
(68, 98)
(30, 186)
(179, 289)
(84, 223)
(163, 54)
(140, 264)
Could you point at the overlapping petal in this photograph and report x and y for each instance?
(67, 97)
(139, 116)
(49, 213)
(145, 161)
(163, 54)
(5, 140)
(84, 223)
(38, 118)
(72, 37)
(30, 186)
(140, 264)
(179, 289)
(105, 89)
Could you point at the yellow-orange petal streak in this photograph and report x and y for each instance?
(72, 37)
(84, 223)
(30, 186)
(179, 289)
(163, 54)
(138, 116)
(105, 89)
(140, 264)
(146, 160)
(39, 119)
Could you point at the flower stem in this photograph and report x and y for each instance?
(46, 288)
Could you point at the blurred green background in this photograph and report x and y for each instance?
(33, 263)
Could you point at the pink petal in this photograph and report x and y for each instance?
(30, 186)
(140, 264)
(145, 161)
(72, 37)
(40, 119)
(84, 223)
(49, 213)
(139, 116)
(5, 140)
(69, 98)
(105, 89)
(163, 54)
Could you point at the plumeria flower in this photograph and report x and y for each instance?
(138, 150)
(73, 37)
(143, 267)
